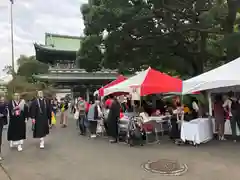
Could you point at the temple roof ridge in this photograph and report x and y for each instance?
(57, 42)
(62, 36)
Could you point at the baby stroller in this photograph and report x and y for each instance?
(123, 126)
(135, 132)
(122, 130)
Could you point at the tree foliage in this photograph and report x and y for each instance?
(89, 55)
(8, 69)
(23, 82)
(187, 36)
(29, 66)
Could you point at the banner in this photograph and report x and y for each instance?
(135, 94)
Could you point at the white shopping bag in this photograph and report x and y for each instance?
(76, 115)
(100, 127)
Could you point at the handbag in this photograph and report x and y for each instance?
(53, 119)
(76, 115)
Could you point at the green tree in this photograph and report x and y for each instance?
(25, 59)
(7, 69)
(29, 66)
(23, 82)
(186, 36)
(89, 55)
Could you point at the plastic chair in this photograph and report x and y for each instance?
(148, 128)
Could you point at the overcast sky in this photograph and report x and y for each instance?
(32, 18)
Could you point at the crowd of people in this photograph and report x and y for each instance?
(104, 115)
(91, 115)
(226, 107)
(16, 113)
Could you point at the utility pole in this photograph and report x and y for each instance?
(12, 41)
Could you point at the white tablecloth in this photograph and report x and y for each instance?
(198, 130)
(156, 118)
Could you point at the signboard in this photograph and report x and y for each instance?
(135, 94)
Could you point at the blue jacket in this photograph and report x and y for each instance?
(93, 113)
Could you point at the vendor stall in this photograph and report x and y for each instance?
(222, 79)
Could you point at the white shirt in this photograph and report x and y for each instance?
(227, 104)
(145, 116)
(100, 114)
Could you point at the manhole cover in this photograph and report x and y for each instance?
(165, 167)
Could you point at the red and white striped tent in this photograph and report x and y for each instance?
(147, 82)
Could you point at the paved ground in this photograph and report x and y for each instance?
(70, 157)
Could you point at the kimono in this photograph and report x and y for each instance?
(18, 113)
(41, 113)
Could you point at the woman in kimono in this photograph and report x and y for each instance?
(18, 115)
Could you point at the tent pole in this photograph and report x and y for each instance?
(209, 103)
(182, 105)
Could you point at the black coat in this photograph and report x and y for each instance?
(113, 118)
(41, 112)
(4, 112)
(17, 124)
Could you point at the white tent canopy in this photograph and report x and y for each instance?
(224, 76)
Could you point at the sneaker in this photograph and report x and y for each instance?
(223, 139)
(11, 144)
(19, 148)
(64, 126)
(1, 158)
(42, 145)
(93, 136)
(113, 141)
(82, 134)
